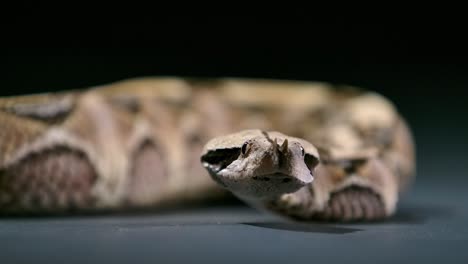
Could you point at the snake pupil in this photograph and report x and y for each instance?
(244, 148)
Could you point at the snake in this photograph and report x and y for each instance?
(302, 150)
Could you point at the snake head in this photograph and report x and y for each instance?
(257, 164)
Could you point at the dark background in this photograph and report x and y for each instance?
(421, 67)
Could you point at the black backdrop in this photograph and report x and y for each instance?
(421, 68)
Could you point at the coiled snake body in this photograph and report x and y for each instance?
(303, 150)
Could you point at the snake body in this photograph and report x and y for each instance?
(143, 143)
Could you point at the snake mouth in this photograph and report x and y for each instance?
(262, 186)
(274, 184)
(282, 178)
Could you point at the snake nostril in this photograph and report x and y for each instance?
(261, 178)
(286, 180)
(349, 169)
(351, 166)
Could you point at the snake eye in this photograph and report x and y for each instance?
(245, 147)
(302, 151)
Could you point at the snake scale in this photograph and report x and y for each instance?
(302, 150)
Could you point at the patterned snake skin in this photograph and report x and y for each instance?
(137, 144)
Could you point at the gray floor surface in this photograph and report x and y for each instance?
(430, 227)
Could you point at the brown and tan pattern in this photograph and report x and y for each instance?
(138, 143)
